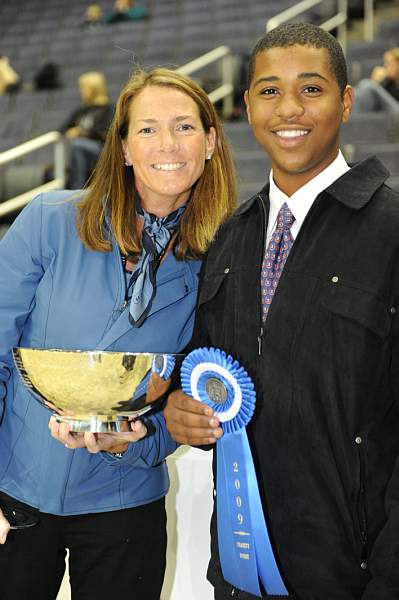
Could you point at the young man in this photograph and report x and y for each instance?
(324, 358)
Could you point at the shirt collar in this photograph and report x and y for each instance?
(301, 202)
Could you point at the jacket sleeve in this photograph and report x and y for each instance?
(384, 557)
(151, 451)
(21, 268)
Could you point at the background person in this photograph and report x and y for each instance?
(318, 333)
(10, 81)
(381, 91)
(68, 268)
(86, 127)
(126, 10)
(93, 15)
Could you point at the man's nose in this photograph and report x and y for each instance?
(289, 107)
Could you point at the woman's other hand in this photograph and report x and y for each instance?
(4, 528)
(99, 442)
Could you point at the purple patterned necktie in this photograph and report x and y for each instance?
(276, 254)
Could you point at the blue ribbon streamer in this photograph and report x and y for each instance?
(245, 550)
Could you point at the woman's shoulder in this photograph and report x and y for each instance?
(57, 204)
(60, 199)
(49, 212)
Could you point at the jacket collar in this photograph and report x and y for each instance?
(363, 180)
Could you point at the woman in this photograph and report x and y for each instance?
(65, 281)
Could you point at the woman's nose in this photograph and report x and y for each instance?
(168, 141)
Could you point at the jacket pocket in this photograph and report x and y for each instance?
(210, 287)
(358, 305)
(169, 292)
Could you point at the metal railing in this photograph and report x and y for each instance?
(368, 17)
(225, 90)
(337, 21)
(53, 137)
(368, 27)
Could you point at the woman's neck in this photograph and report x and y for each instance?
(162, 207)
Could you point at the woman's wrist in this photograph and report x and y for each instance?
(119, 449)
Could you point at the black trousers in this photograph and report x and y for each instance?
(111, 555)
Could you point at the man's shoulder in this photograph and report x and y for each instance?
(253, 202)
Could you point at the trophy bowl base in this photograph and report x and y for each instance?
(95, 423)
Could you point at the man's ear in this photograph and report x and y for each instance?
(347, 101)
(246, 100)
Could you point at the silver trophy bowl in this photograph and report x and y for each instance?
(94, 391)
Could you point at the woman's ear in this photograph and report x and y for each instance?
(210, 142)
(126, 154)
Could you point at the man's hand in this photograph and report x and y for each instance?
(97, 442)
(190, 421)
(4, 528)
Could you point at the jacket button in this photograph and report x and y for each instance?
(335, 279)
(358, 439)
(363, 565)
(392, 310)
(227, 269)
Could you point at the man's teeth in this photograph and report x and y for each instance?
(292, 133)
(168, 166)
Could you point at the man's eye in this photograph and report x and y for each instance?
(312, 89)
(269, 91)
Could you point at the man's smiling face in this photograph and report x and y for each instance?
(295, 108)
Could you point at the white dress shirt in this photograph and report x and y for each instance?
(301, 202)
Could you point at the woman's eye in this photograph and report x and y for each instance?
(185, 127)
(146, 130)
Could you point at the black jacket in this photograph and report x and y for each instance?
(94, 121)
(325, 434)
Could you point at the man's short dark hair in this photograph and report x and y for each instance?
(303, 34)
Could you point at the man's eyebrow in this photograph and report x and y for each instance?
(268, 79)
(305, 75)
(311, 74)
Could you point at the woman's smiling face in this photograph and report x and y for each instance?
(296, 108)
(166, 145)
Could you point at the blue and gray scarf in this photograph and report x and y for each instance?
(156, 236)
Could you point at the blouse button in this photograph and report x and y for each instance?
(335, 279)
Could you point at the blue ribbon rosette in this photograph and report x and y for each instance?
(245, 552)
(163, 364)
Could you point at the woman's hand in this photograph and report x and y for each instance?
(98, 442)
(156, 388)
(4, 528)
